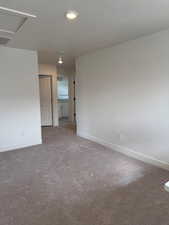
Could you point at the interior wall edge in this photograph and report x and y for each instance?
(16, 147)
(126, 151)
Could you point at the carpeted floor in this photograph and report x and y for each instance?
(72, 181)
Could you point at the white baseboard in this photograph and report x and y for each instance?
(15, 147)
(126, 151)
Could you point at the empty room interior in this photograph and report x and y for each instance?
(84, 112)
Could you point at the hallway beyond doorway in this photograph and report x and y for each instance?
(65, 123)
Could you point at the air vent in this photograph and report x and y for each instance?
(4, 40)
(11, 21)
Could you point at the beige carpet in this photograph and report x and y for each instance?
(72, 181)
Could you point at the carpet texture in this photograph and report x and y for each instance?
(71, 181)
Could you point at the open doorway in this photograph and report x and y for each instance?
(66, 100)
(46, 105)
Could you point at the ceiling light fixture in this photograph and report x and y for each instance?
(166, 186)
(60, 61)
(71, 15)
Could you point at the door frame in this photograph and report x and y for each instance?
(51, 89)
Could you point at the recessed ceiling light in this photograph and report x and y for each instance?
(166, 186)
(60, 61)
(71, 15)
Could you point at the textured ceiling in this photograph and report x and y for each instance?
(101, 23)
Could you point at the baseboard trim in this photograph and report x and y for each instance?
(16, 147)
(126, 151)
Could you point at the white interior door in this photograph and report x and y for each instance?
(45, 100)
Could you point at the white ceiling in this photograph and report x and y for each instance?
(101, 23)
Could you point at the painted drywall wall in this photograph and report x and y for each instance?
(19, 99)
(49, 69)
(123, 97)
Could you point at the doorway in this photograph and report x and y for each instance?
(63, 99)
(45, 86)
(66, 100)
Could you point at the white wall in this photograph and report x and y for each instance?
(19, 99)
(123, 97)
(49, 69)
